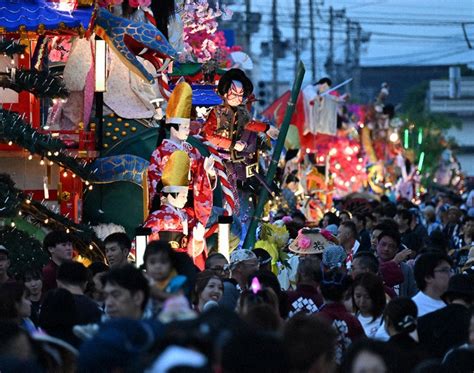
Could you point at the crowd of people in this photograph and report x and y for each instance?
(390, 290)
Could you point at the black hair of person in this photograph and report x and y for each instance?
(129, 278)
(163, 11)
(426, 264)
(121, 239)
(401, 313)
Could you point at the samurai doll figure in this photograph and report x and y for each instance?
(231, 130)
(202, 173)
(172, 221)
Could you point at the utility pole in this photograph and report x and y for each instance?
(275, 42)
(297, 33)
(356, 72)
(247, 25)
(314, 69)
(348, 66)
(330, 59)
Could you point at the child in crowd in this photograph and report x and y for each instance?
(160, 264)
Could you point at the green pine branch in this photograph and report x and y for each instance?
(13, 201)
(13, 128)
(42, 84)
(11, 47)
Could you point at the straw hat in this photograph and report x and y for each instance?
(312, 241)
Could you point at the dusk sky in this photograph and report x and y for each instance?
(403, 32)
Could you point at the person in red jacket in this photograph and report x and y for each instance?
(334, 285)
(58, 244)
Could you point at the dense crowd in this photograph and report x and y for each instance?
(390, 290)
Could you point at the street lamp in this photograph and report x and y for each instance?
(141, 240)
(223, 235)
(100, 65)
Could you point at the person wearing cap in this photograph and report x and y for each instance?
(4, 265)
(202, 172)
(242, 264)
(444, 329)
(264, 259)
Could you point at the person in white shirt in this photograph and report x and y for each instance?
(368, 298)
(347, 237)
(432, 273)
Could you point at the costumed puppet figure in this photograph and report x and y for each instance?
(321, 108)
(231, 130)
(173, 222)
(202, 170)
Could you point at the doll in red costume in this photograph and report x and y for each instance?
(173, 222)
(202, 171)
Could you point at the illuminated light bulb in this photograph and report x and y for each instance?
(28, 201)
(12, 223)
(50, 154)
(20, 213)
(46, 221)
(321, 159)
(42, 162)
(65, 174)
(347, 184)
(51, 163)
(56, 154)
(393, 137)
(30, 157)
(90, 187)
(353, 179)
(67, 230)
(55, 101)
(22, 56)
(349, 158)
(360, 160)
(307, 150)
(333, 151)
(91, 247)
(337, 166)
(73, 175)
(349, 150)
(362, 125)
(359, 167)
(356, 149)
(10, 143)
(87, 183)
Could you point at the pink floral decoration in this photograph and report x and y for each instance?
(304, 242)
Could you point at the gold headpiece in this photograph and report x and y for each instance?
(178, 110)
(175, 176)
